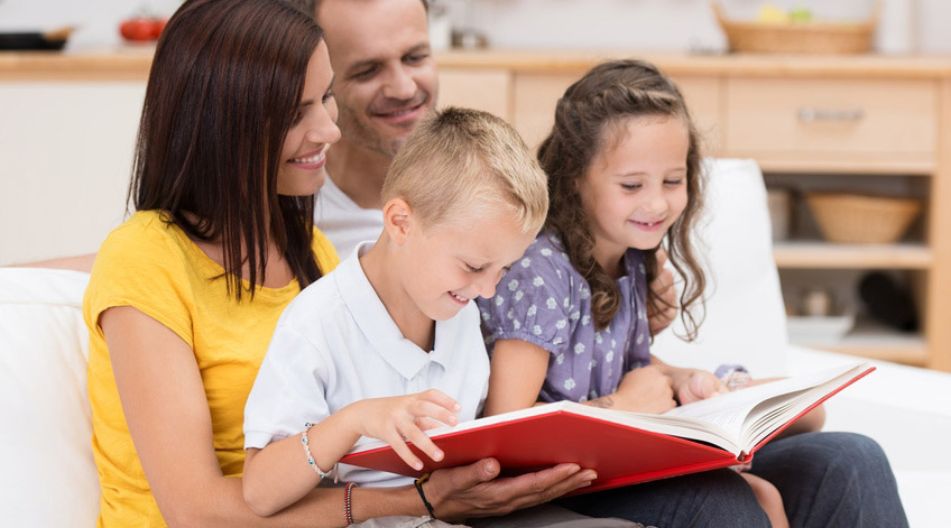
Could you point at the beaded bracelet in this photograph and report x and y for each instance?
(310, 458)
(418, 483)
(348, 502)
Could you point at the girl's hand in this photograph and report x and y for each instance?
(698, 385)
(399, 419)
(645, 389)
(660, 317)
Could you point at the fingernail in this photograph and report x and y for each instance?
(418, 466)
(438, 455)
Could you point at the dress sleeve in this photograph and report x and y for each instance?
(533, 303)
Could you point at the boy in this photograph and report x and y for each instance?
(389, 344)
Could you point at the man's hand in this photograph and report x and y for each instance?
(475, 491)
(659, 317)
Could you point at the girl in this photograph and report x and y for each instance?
(185, 295)
(570, 319)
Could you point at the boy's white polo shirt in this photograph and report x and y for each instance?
(336, 344)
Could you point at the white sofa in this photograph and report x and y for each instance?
(48, 477)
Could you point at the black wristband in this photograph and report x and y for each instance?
(419, 488)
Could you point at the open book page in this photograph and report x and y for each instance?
(735, 421)
(751, 414)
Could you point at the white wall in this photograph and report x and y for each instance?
(656, 25)
(65, 161)
(679, 25)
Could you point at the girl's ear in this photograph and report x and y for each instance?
(398, 220)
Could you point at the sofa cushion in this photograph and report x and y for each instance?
(48, 476)
(745, 318)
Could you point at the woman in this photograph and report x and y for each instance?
(184, 296)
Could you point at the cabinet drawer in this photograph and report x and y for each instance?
(536, 95)
(832, 120)
(486, 90)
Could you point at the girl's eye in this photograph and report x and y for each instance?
(673, 182)
(473, 269)
(327, 96)
(298, 116)
(630, 186)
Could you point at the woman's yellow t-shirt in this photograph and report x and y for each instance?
(153, 266)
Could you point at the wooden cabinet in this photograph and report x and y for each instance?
(482, 89)
(853, 124)
(806, 117)
(535, 95)
(803, 117)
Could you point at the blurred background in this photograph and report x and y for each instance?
(656, 25)
(845, 105)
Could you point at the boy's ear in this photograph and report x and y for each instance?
(398, 219)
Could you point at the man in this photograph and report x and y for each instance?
(385, 84)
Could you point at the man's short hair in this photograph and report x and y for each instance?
(459, 162)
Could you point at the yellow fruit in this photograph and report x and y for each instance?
(770, 14)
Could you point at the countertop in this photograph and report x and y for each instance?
(133, 63)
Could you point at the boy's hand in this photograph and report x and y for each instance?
(699, 385)
(399, 419)
(660, 317)
(646, 389)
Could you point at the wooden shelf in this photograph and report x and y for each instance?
(823, 255)
(877, 342)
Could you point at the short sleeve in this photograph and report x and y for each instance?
(532, 303)
(139, 265)
(288, 391)
(324, 252)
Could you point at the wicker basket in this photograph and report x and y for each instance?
(798, 37)
(856, 218)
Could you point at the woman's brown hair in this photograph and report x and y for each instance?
(585, 117)
(222, 94)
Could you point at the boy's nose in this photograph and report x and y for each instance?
(486, 286)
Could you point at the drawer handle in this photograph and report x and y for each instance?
(815, 115)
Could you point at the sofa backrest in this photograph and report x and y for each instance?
(745, 318)
(48, 476)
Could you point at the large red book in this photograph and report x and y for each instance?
(625, 447)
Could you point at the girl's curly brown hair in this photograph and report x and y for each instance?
(586, 113)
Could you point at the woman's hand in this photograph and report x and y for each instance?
(400, 418)
(645, 389)
(475, 491)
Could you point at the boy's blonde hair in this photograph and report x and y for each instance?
(459, 161)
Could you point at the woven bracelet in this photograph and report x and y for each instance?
(419, 488)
